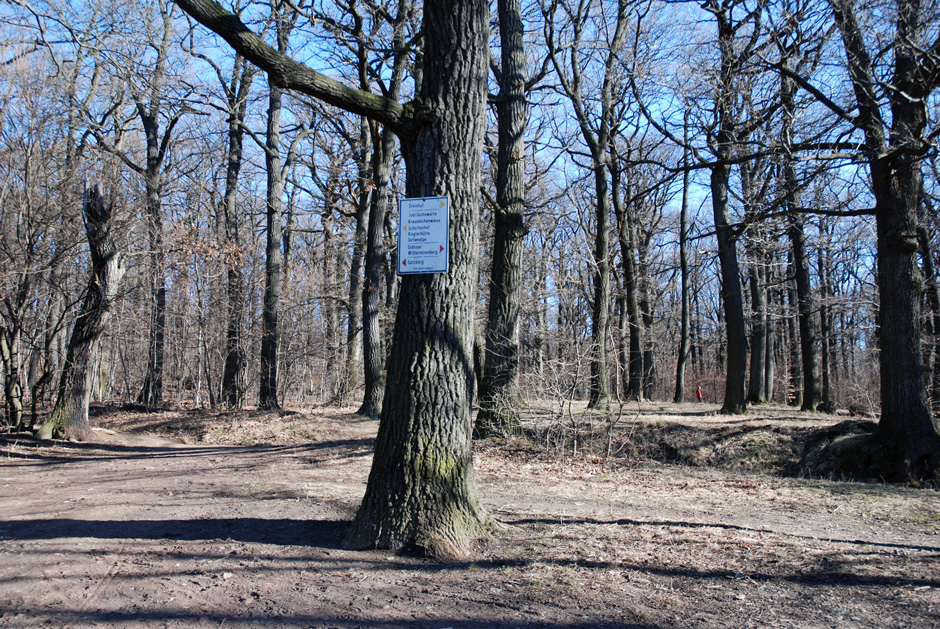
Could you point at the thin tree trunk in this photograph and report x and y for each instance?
(795, 387)
(825, 323)
(328, 308)
(646, 310)
(354, 340)
(383, 160)
(232, 393)
(756, 389)
(684, 345)
(633, 367)
(268, 393)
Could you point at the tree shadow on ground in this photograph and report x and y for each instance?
(568, 521)
(327, 534)
(65, 452)
(123, 619)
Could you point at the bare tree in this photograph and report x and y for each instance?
(69, 417)
(906, 444)
(568, 59)
(424, 435)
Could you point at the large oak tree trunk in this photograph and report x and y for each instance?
(69, 417)
(498, 395)
(421, 492)
(906, 443)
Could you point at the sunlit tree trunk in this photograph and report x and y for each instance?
(498, 395)
(69, 417)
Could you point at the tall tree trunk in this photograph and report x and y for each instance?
(684, 314)
(906, 443)
(599, 396)
(237, 95)
(149, 112)
(69, 417)
(421, 492)
(151, 392)
(373, 355)
(731, 297)
(354, 326)
(498, 394)
(268, 394)
(383, 160)
(597, 135)
(810, 396)
(633, 367)
(731, 294)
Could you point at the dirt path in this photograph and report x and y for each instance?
(144, 532)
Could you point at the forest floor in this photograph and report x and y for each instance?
(680, 518)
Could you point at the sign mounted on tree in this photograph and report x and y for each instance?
(423, 235)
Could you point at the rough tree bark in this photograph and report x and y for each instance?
(730, 61)
(267, 393)
(421, 492)
(237, 99)
(383, 159)
(906, 443)
(498, 394)
(69, 417)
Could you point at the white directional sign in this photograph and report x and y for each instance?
(423, 235)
